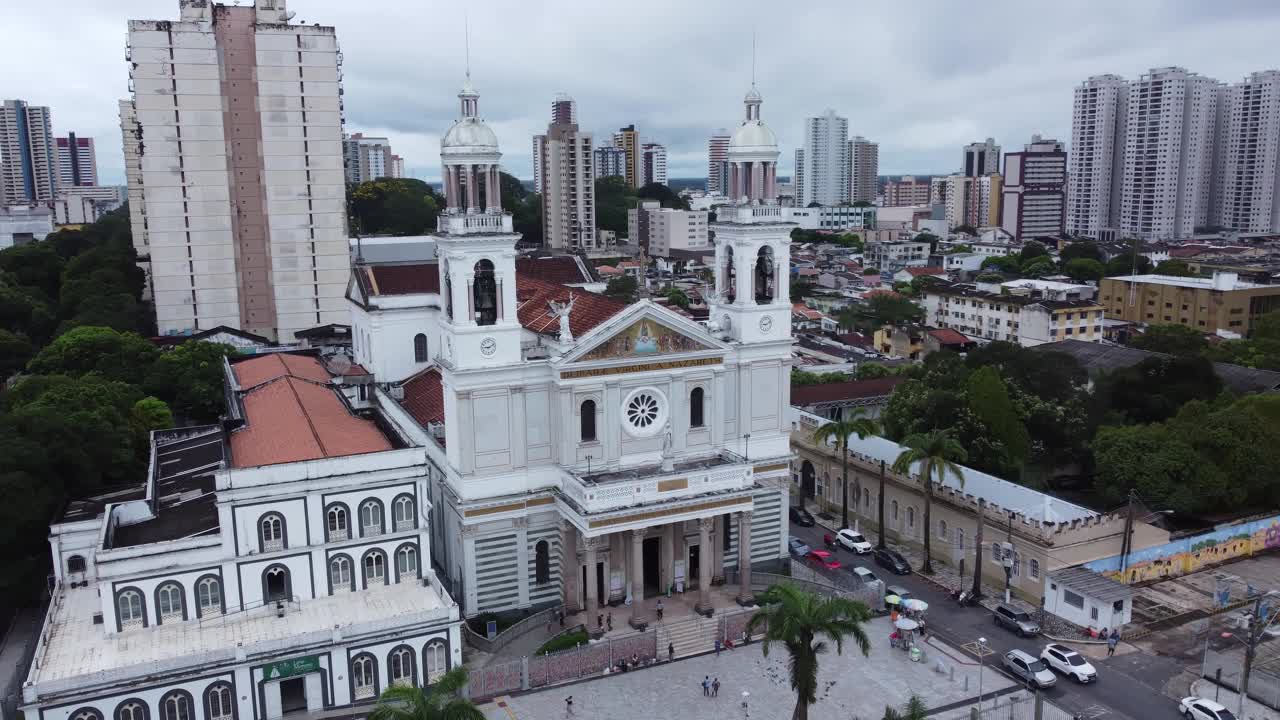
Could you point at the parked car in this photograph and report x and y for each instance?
(823, 558)
(898, 590)
(854, 541)
(865, 575)
(1019, 621)
(1198, 708)
(1068, 662)
(891, 560)
(797, 546)
(1029, 669)
(800, 516)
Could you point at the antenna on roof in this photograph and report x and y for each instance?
(753, 57)
(466, 35)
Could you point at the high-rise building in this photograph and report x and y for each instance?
(77, 162)
(629, 140)
(653, 164)
(610, 161)
(660, 230)
(799, 176)
(240, 113)
(906, 191)
(397, 167)
(28, 158)
(568, 197)
(717, 156)
(826, 161)
(1099, 112)
(1170, 135)
(366, 158)
(131, 134)
(564, 110)
(981, 158)
(539, 157)
(973, 201)
(1035, 190)
(1251, 155)
(864, 169)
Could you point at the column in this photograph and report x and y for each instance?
(638, 615)
(704, 565)
(666, 573)
(745, 596)
(771, 181)
(570, 567)
(495, 197)
(731, 187)
(717, 542)
(481, 175)
(471, 187)
(593, 601)
(450, 186)
(757, 181)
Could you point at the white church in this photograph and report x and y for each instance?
(504, 440)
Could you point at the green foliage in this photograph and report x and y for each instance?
(961, 248)
(938, 455)
(804, 623)
(966, 229)
(1003, 263)
(990, 277)
(664, 195)
(150, 414)
(35, 265)
(15, 351)
(394, 206)
(1085, 250)
(1176, 268)
(442, 701)
(914, 710)
(871, 371)
(622, 288)
(1032, 250)
(25, 313)
(1123, 264)
(564, 641)
(613, 199)
(989, 400)
(525, 208)
(1171, 339)
(1154, 389)
(887, 309)
(801, 290)
(930, 238)
(855, 422)
(1038, 266)
(678, 297)
(100, 351)
(1084, 270)
(802, 377)
(190, 376)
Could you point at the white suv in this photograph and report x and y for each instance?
(1068, 662)
(1198, 708)
(853, 540)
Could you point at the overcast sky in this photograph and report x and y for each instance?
(922, 78)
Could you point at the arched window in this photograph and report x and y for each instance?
(695, 407)
(485, 294)
(911, 517)
(894, 511)
(177, 705)
(448, 289)
(364, 676)
(435, 661)
(942, 529)
(866, 498)
(400, 666)
(730, 276)
(420, 348)
(1033, 568)
(271, 532)
(542, 562)
(765, 276)
(406, 563)
(371, 518)
(132, 709)
(76, 564)
(169, 603)
(340, 577)
(131, 609)
(275, 584)
(375, 568)
(402, 513)
(87, 713)
(218, 702)
(960, 539)
(208, 596)
(336, 522)
(588, 420)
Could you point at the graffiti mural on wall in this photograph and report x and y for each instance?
(1189, 554)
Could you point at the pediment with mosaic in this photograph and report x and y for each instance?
(645, 338)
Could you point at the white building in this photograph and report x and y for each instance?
(671, 229)
(1027, 312)
(981, 158)
(77, 162)
(864, 169)
(1251, 156)
(1099, 112)
(397, 167)
(839, 218)
(610, 161)
(972, 201)
(240, 168)
(568, 194)
(1035, 190)
(653, 164)
(539, 157)
(823, 175)
(895, 255)
(590, 450)
(28, 156)
(22, 225)
(367, 158)
(277, 562)
(717, 157)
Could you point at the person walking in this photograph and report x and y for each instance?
(560, 617)
(715, 688)
(568, 706)
(717, 647)
(1112, 641)
(659, 609)
(706, 686)
(609, 621)
(600, 621)
(671, 652)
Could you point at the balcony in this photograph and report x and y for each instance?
(647, 484)
(475, 224)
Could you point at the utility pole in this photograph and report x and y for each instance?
(880, 501)
(1126, 542)
(1256, 627)
(977, 555)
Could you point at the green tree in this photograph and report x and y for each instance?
(15, 351)
(965, 229)
(35, 265)
(801, 377)
(989, 400)
(1003, 263)
(1032, 250)
(100, 351)
(798, 620)
(892, 309)
(871, 371)
(1039, 267)
(678, 297)
(961, 248)
(23, 313)
(938, 454)
(1176, 268)
(914, 710)
(930, 238)
(613, 199)
(394, 206)
(622, 288)
(1084, 250)
(1154, 389)
(855, 422)
(1171, 339)
(443, 701)
(990, 277)
(664, 195)
(1124, 264)
(1084, 270)
(189, 377)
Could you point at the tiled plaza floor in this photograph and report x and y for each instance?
(850, 685)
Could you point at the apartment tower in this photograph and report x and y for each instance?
(367, 158)
(864, 169)
(629, 141)
(981, 158)
(1095, 167)
(239, 118)
(653, 164)
(1035, 190)
(77, 162)
(568, 200)
(825, 161)
(28, 158)
(717, 160)
(609, 161)
(1251, 155)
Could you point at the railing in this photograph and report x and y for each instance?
(594, 496)
(474, 224)
(511, 634)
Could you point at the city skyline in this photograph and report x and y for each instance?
(920, 108)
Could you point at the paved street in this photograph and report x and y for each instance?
(1129, 684)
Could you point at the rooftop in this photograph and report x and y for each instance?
(947, 336)
(183, 501)
(971, 291)
(1091, 584)
(722, 457)
(424, 397)
(1196, 283)
(563, 269)
(809, 395)
(412, 279)
(533, 297)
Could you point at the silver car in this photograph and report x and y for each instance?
(1029, 669)
(797, 546)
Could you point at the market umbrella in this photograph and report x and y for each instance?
(906, 624)
(892, 599)
(915, 605)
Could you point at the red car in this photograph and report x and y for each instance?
(824, 559)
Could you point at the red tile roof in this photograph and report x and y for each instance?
(589, 309)
(556, 268)
(295, 415)
(806, 312)
(947, 336)
(424, 397)
(400, 279)
(802, 395)
(855, 339)
(921, 271)
(1183, 251)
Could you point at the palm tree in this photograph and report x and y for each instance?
(441, 702)
(854, 423)
(915, 710)
(796, 619)
(937, 454)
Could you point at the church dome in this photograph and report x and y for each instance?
(469, 133)
(753, 135)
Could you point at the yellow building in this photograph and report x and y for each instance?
(1222, 302)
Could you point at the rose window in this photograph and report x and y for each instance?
(642, 410)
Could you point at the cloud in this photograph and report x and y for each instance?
(922, 79)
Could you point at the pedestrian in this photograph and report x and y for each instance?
(715, 688)
(1112, 641)
(600, 621)
(568, 705)
(560, 615)
(671, 652)
(659, 609)
(717, 647)
(609, 621)
(706, 686)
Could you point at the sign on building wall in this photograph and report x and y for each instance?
(1189, 554)
(291, 667)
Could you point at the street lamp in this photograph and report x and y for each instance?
(983, 651)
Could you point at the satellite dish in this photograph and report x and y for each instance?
(340, 364)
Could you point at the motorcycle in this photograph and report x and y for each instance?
(829, 541)
(962, 597)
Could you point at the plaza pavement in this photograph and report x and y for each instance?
(850, 685)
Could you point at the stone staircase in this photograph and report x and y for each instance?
(691, 635)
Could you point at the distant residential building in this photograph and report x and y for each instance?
(1035, 190)
(938, 185)
(610, 161)
(717, 160)
(77, 162)
(823, 176)
(906, 191)
(1024, 312)
(653, 164)
(28, 156)
(1099, 112)
(1222, 303)
(799, 178)
(568, 197)
(864, 169)
(397, 167)
(80, 205)
(366, 158)
(628, 139)
(23, 225)
(838, 218)
(1251, 156)
(981, 158)
(660, 230)
(894, 255)
(973, 201)
(564, 110)
(539, 150)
